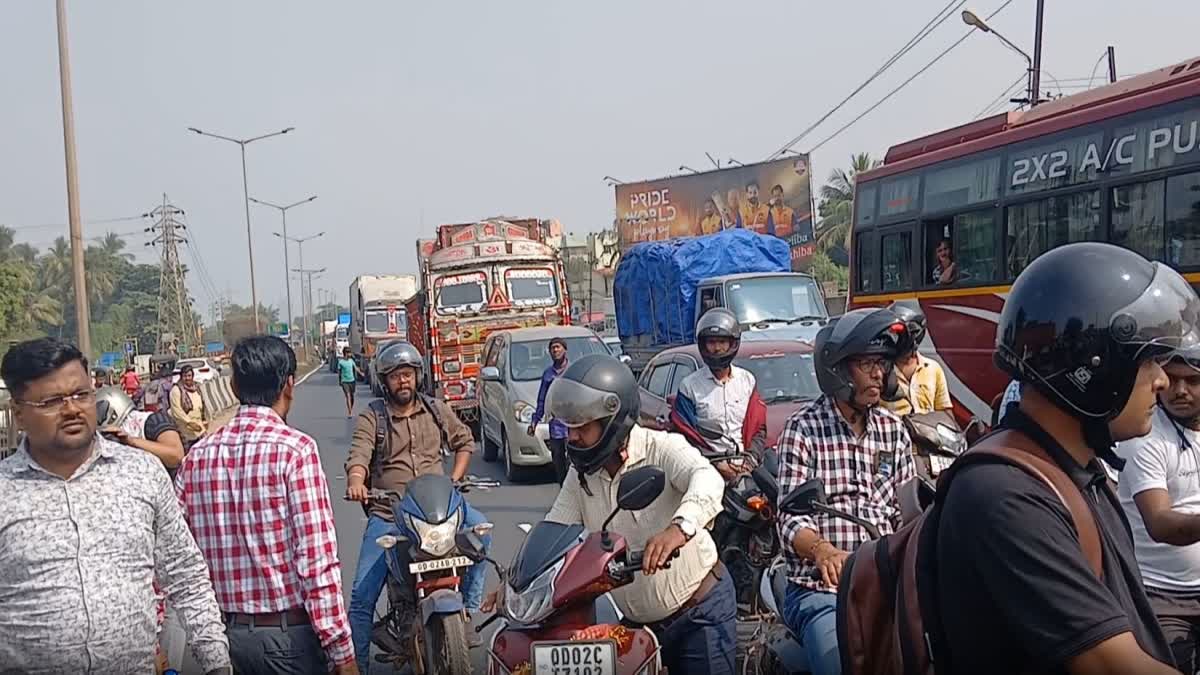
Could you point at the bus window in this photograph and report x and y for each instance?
(1183, 220)
(866, 263)
(1037, 227)
(896, 253)
(1137, 218)
(961, 249)
(864, 204)
(961, 185)
(898, 195)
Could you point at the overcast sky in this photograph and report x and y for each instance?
(410, 114)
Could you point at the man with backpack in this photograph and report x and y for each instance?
(862, 454)
(1029, 563)
(398, 438)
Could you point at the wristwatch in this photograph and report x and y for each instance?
(687, 527)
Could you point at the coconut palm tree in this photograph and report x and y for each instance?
(837, 203)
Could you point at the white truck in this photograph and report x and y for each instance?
(377, 313)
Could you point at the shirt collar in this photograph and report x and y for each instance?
(102, 448)
(258, 412)
(873, 414)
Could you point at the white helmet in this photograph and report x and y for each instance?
(112, 406)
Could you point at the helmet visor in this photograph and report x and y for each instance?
(1164, 318)
(575, 404)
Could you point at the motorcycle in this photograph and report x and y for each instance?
(745, 534)
(428, 521)
(938, 440)
(778, 652)
(557, 616)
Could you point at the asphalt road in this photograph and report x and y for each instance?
(320, 411)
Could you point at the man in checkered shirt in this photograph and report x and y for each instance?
(862, 454)
(257, 501)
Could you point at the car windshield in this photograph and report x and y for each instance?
(783, 297)
(342, 333)
(782, 376)
(528, 360)
(531, 288)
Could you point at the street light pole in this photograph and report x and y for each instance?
(307, 294)
(1035, 66)
(287, 280)
(82, 317)
(972, 19)
(300, 245)
(243, 142)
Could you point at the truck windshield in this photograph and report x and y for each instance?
(782, 298)
(531, 288)
(376, 322)
(528, 360)
(459, 295)
(782, 376)
(342, 333)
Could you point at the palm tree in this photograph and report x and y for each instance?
(837, 202)
(113, 246)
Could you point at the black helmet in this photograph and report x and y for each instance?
(396, 354)
(862, 332)
(718, 323)
(914, 318)
(595, 387)
(1081, 318)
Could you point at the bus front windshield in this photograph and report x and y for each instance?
(782, 298)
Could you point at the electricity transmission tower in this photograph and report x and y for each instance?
(176, 327)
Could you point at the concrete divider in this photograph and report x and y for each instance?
(227, 390)
(208, 392)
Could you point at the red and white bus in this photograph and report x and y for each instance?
(950, 219)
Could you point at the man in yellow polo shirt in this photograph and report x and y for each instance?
(710, 222)
(922, 381)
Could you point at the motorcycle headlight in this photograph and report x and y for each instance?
(436, 539)
(535, 602)
(523, 412)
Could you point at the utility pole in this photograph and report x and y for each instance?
(82, 313)
(174, 307)
(1112, 64)
(1035, 74)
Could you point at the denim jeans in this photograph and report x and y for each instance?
(703, 640)
(371, 575)
(812, 618)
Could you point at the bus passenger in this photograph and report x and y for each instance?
(946, 271)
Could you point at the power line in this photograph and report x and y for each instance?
(905, 83)
(105, 221)
(928, 28)
(999, 100)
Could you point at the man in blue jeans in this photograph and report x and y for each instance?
(862, 454)
(410, 443)
(558, 431)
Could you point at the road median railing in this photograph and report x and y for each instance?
(218, 395)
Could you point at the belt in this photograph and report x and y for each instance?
(297, 616)
(709, 582)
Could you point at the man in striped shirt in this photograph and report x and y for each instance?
(258, 504)
(862, 454)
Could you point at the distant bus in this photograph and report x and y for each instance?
(950, 219)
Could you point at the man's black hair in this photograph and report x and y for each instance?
(751, 182)
(262, 365)
(557, 341)
(184, 370)
(777, 187)
(34, 359)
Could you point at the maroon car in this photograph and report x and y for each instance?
(783, 369)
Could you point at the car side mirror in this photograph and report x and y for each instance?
(803, 500)
(624, 358)
(490, 374)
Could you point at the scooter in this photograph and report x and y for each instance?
(557, 616)
(428, 521)
(938, 440)
(773, 649)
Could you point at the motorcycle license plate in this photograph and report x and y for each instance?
(575, 658)
(435, 565)
(938, 463)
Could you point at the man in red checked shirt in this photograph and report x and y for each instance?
(258, 504)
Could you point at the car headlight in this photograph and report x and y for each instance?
(535, 602)
(436, 539)
(523, 412)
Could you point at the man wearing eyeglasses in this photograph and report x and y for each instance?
(87, 525)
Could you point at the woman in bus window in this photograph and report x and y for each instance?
(946, 271)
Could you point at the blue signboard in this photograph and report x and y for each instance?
(344, 319)
(109, 359)
(214, 347)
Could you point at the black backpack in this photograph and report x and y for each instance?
(383, 433)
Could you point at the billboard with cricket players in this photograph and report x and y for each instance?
(772, 198)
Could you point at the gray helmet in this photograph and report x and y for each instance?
(595, 387)
(862, 332)
(112, 406)
(395, 354)
(718, 322)
(915, 318)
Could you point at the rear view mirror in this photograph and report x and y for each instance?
(803, 500)
(490, 374)
(710, 429)
(640, 487)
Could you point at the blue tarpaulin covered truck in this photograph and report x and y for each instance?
(661, 288)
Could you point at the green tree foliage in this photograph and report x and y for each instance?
(837, 203)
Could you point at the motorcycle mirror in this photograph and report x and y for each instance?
(470, 544)
(640, 487)
(524, 527)
(803, 500)
(710, 430)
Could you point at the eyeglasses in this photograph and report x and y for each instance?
(55, 404)
(868, 366)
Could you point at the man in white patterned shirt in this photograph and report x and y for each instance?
(862, 454)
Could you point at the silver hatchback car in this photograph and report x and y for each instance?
(509, 381)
